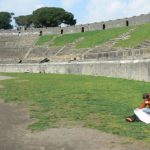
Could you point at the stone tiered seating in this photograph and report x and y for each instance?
(39, 53)
(13, 47)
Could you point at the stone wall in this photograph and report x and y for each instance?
(135, 20)
(131, 69)
(124, 54)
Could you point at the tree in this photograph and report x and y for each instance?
(5, 20)
(69, 19)
(52, 17)
(25, 21)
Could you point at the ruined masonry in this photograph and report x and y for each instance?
(18, 52)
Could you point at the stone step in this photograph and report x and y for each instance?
(10, 39)
(147, 41)
(146, 44)
(142, 46)
(71, 51)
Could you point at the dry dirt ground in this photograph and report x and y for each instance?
(14, 135)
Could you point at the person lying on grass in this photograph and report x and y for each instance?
(144, 107)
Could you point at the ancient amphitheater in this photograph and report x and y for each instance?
(19, 53)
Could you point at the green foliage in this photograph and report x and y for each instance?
(46, 17)
(140, 34)
(68, 18)
(25, 21)
(5, 20)
(52, 17)
(94, 102)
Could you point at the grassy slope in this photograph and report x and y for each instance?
(91, 38)
(66, 38)
(99, 37)
(43, 39)
(94, 38)
(140, 34)
(96, 102)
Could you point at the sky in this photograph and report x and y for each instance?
(85, 11)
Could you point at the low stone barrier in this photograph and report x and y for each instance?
(129, 69)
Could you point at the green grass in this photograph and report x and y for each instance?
(65, 39)
(94, 102)
(43, 39)
(90, 39)
(140, 34)
(93, 38)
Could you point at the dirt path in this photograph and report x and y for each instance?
(5, 78)
(15, 136)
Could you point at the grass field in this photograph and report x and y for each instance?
(70, 100)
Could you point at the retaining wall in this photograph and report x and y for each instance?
(131, 69)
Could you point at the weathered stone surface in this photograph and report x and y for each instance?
(129, 69)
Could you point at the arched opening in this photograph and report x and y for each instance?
(62, 31)
(41, 33)
(82, 29)
(127, 23)
(104, 26)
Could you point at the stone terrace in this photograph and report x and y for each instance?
(14, 48)
(22, 49)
